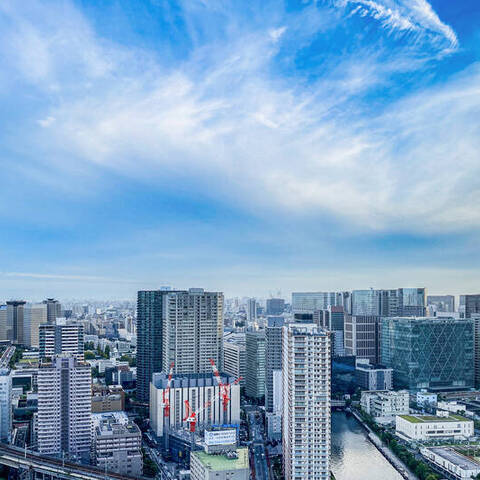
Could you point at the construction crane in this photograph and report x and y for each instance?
(224, 387)
(191, 417)
(166, 406)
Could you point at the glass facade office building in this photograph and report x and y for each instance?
(432, 353)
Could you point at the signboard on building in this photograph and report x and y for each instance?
(227, 436)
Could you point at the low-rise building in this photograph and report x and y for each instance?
(111, 400)
(428, 427)
(452, 463)
(118, 444)
(231, 466)
(426, 399)
(384, 405)
(373, 377)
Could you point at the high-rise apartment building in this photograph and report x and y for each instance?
(150, 305)
(431, 353)
(275, 306)
(273, 356)
(62, 338)
(14, 329)
(306, 402)
(255, 375)
(5, 405)
(361, 336)
(475, 317)
(193, 331)
(34, 314)
(54, 310)
(64, 409)
(235, 358)
(251, 310)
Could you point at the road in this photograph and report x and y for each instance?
(258, 446)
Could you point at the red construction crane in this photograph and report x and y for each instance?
(166, 393)
(191, 416)
(224, 387)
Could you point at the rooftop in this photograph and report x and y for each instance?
(456, 458)
(221, 462)
(431, 418)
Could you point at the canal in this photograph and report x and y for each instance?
(354, 457)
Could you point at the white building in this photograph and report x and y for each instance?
(274, 418)
(384, 405)
(61, 338)
(64, 408)
(34, 314)
(118, 444)
(5, 405)
(234, 358)
(192, 331)
(230, 466)
(306, 402)
(428, 427)
(198, 389)
(373, 377)
(426, 399)
(451, 462)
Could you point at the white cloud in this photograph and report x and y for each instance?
(413, 16)
(246, 135)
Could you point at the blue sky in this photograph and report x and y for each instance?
(248, 147)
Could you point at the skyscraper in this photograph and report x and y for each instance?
(273, 356)
(61, 339)
(15, 320)
(306, 402)
(5, 405)
(192, 332)
(361, 336)
(251, 310)
(65, 409)
(150, 304)
(433, 353)
(235, 358)
(255, 375)
(54, 309)
(34, 314)
(3, 323)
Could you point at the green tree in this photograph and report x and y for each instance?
(89, 355)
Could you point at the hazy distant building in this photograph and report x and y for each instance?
(34, 315)
(54, 310)
(442, 303)
(275, 306)
(251, 310)
(255, 374)
(4, 335)
(15, 310)
(65, 409)
(431, 353)
(273, 356)
(309, 302)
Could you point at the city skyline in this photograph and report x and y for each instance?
(285, 146)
